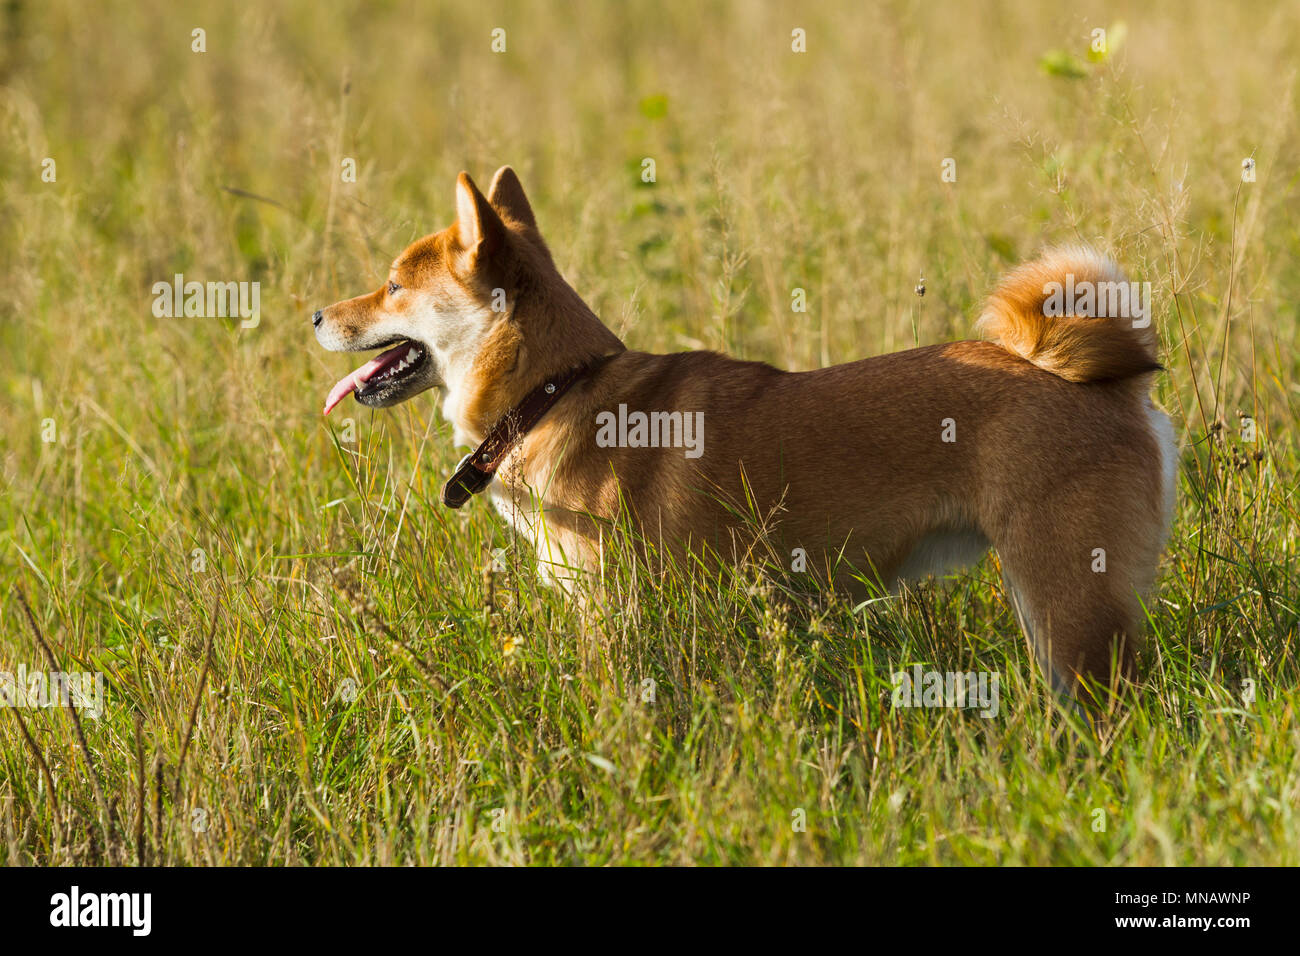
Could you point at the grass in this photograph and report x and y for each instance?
(374, 693)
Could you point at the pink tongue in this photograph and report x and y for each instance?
(354, 380)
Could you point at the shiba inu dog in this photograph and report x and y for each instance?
(1042, 443)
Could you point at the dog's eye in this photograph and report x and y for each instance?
(392, 288)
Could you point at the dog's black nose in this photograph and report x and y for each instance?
(316, 317)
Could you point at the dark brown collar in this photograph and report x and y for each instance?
(477, 469)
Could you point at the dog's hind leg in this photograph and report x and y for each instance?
(1075, 574)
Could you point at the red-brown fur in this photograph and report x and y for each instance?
(1057, 452)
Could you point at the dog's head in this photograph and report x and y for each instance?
(445, 298)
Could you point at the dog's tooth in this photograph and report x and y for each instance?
(410, 356)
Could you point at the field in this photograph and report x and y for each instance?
(306, 659)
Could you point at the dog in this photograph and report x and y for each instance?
(1041, 442)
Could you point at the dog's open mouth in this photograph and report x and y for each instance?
(388, 378)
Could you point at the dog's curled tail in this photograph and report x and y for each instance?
(1072, 312)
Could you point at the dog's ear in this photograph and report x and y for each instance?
(506, 194)
(481, 230)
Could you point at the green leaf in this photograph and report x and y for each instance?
(655, 107)
(1063, 63)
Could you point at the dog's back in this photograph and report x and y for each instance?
(1042, 444)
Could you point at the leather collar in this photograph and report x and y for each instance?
(477, 469)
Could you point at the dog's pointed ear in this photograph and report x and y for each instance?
(481, 230)
(506, 194)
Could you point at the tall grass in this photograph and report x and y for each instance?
(374, 692)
